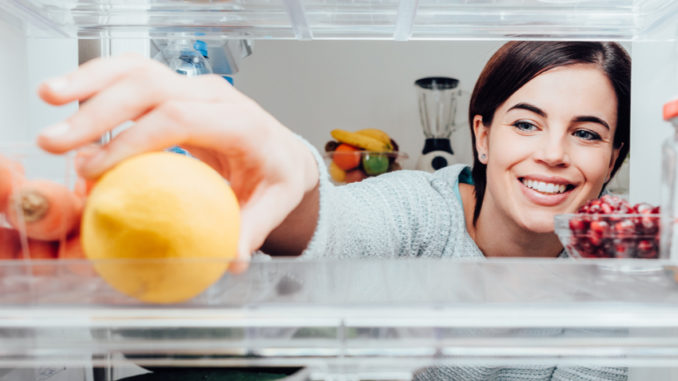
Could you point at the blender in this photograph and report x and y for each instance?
(437, 110)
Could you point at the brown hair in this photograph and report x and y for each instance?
(517, 62)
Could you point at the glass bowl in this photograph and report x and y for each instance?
(620, 236)
(349, 167)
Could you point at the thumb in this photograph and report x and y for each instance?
(242, 261)
(262, 213)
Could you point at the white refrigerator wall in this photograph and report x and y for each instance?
(654, 82)
(13, 77)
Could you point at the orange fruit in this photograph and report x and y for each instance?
(346, 156)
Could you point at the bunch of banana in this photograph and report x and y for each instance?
(359, 154)
(370, 139)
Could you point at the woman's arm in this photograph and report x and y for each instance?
(293, 235)
(271, 171)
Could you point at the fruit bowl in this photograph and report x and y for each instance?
(611, 227)
(616, 235)
(361, 164)
(354, 156)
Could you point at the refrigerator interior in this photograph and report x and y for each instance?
(343, 320)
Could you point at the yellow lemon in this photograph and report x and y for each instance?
(161, 227)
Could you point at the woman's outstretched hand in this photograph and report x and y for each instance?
(269, 169)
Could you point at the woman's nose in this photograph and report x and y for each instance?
(553, 152)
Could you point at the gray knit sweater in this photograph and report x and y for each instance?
(414, 213)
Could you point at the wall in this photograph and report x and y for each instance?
(654, 82)
(13, 91)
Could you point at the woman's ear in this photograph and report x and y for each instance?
(482, 142)
(613, 160)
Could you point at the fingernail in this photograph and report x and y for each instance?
(57, 84)
(55, 130)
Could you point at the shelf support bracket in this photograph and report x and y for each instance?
(405, 21)
(298, 19)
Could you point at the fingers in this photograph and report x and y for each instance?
(91, 77)
(172, 123)
(153, 132)
(133, 91)
(125, 100)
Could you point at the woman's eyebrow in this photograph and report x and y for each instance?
(578, 119)
(529, 107)
(593, 119)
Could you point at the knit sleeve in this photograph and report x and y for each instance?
(394, 214)
(590, 374)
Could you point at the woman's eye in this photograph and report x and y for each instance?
(524, 126)
(587, 135)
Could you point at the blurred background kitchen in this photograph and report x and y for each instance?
(314, 87)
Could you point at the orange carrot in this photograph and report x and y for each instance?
(9, 243)
(10, 173)
(42, 250)
(46, 210)
(72, 249)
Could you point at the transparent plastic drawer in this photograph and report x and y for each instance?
(399, 314)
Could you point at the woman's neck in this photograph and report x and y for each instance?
(497, 237)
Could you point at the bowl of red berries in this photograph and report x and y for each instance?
(611, 227)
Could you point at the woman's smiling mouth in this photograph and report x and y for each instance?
(545, 192)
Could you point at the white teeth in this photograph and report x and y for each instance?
(544, 187)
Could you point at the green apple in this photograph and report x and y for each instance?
(375, 163)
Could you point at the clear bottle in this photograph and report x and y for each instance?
(186, 57)
(669, 196)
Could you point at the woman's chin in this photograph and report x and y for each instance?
(540, 223)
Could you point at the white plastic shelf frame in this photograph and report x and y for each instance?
(353, 316)
(344, 19)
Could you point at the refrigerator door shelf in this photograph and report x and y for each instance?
(338, 19)
(358, 315)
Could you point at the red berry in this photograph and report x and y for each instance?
(578, 225)
(594, 238)
(606, 208)
(594, 208)
(601, 228)
(584, 247)
(649, 224)
(623, 249)
(624, 228)
(644, 208)
(646, 249)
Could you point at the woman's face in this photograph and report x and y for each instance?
(549, 148)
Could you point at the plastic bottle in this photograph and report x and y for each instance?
(186, 57)
(669, 195)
